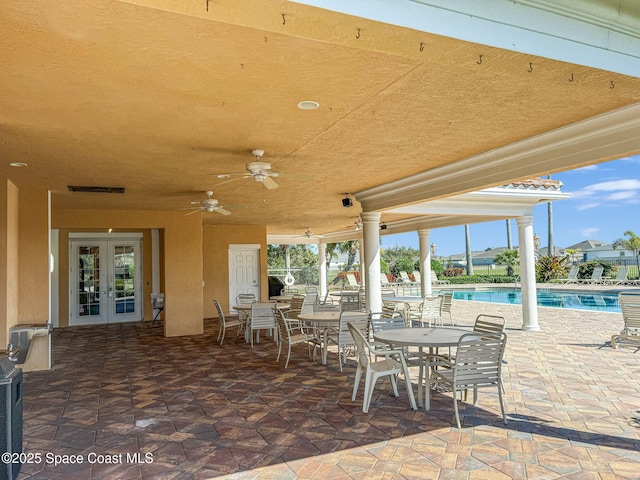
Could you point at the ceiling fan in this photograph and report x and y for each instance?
(209, 205)
(260, 171)
(310, 234)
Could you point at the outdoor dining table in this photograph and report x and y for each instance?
(323, 319)
(281, 298)
(421, 337)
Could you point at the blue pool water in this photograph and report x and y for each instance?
(602, 301)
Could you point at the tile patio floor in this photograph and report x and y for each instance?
(204, 411)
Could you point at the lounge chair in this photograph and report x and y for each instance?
(436, 281)
(406, 279)
(352, 282)
(596, 276)
(572, 277)
(630, 306)
(417, 276)
(621, 276)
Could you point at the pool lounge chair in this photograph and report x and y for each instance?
(630, 306)
(572, 277)
(436, 281)
(596, 276)
(620, 278)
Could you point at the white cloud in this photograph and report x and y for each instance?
(588, 168)
(589, 231)
(609, 193)
(586, 206)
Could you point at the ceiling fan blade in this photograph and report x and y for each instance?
(222, 211)
(233, 180)
(269, 183)
(225, 175)
(195, 211)
(294, 176)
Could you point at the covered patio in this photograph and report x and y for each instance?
(572, 403)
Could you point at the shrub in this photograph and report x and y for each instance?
(585, 270)
(453, 272)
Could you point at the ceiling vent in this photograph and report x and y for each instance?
(87, 189)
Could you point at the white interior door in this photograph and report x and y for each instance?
(244, 271)
(105, 284)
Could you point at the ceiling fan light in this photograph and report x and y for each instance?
(308, 105)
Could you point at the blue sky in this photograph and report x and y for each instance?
(604, 203)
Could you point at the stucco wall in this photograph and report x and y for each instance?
(181, 257)
(9, 263)
(216, 241)
(33, 256)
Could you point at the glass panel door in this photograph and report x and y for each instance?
(89, 302)
(124, 291)
(105, 281)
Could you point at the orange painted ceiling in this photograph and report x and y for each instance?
(159, 96)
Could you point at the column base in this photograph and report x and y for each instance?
(531, 328)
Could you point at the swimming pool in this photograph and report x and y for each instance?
(585, 300)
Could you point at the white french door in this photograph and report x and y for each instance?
(105, 284)
(244, 271)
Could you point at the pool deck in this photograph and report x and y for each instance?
(205, 411)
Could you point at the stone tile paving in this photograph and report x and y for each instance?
(195, 410)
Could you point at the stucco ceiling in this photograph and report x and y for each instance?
(159, 96)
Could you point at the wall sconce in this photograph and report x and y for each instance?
(433, 249)
(347, 202)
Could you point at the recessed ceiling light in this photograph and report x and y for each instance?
(308, 105)
(18, 164)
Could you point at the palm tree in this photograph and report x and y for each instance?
(632, 243)
(510, 258)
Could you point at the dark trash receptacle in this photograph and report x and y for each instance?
(275, 286)
(10, 417)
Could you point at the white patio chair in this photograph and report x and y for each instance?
(350, 301)
(430, 313)
(157, 303)
(630, 306)
(342, 338)
(391, 366)
(478, 364)
(224, 323)
(292, 334)
(447, 304)
(262, 318)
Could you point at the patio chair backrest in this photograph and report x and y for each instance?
(350, 301)
(431, 310)
(157, 300)
(351, 280)
(386, 321)
(478, 360)
(597, 273)
(359, 320)
(244, 298)
(310, 299)
(630, 306)
(621, 275)
(263, 315)
(296, 302)
(490, 324)
(219, 309)
(362, 346)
